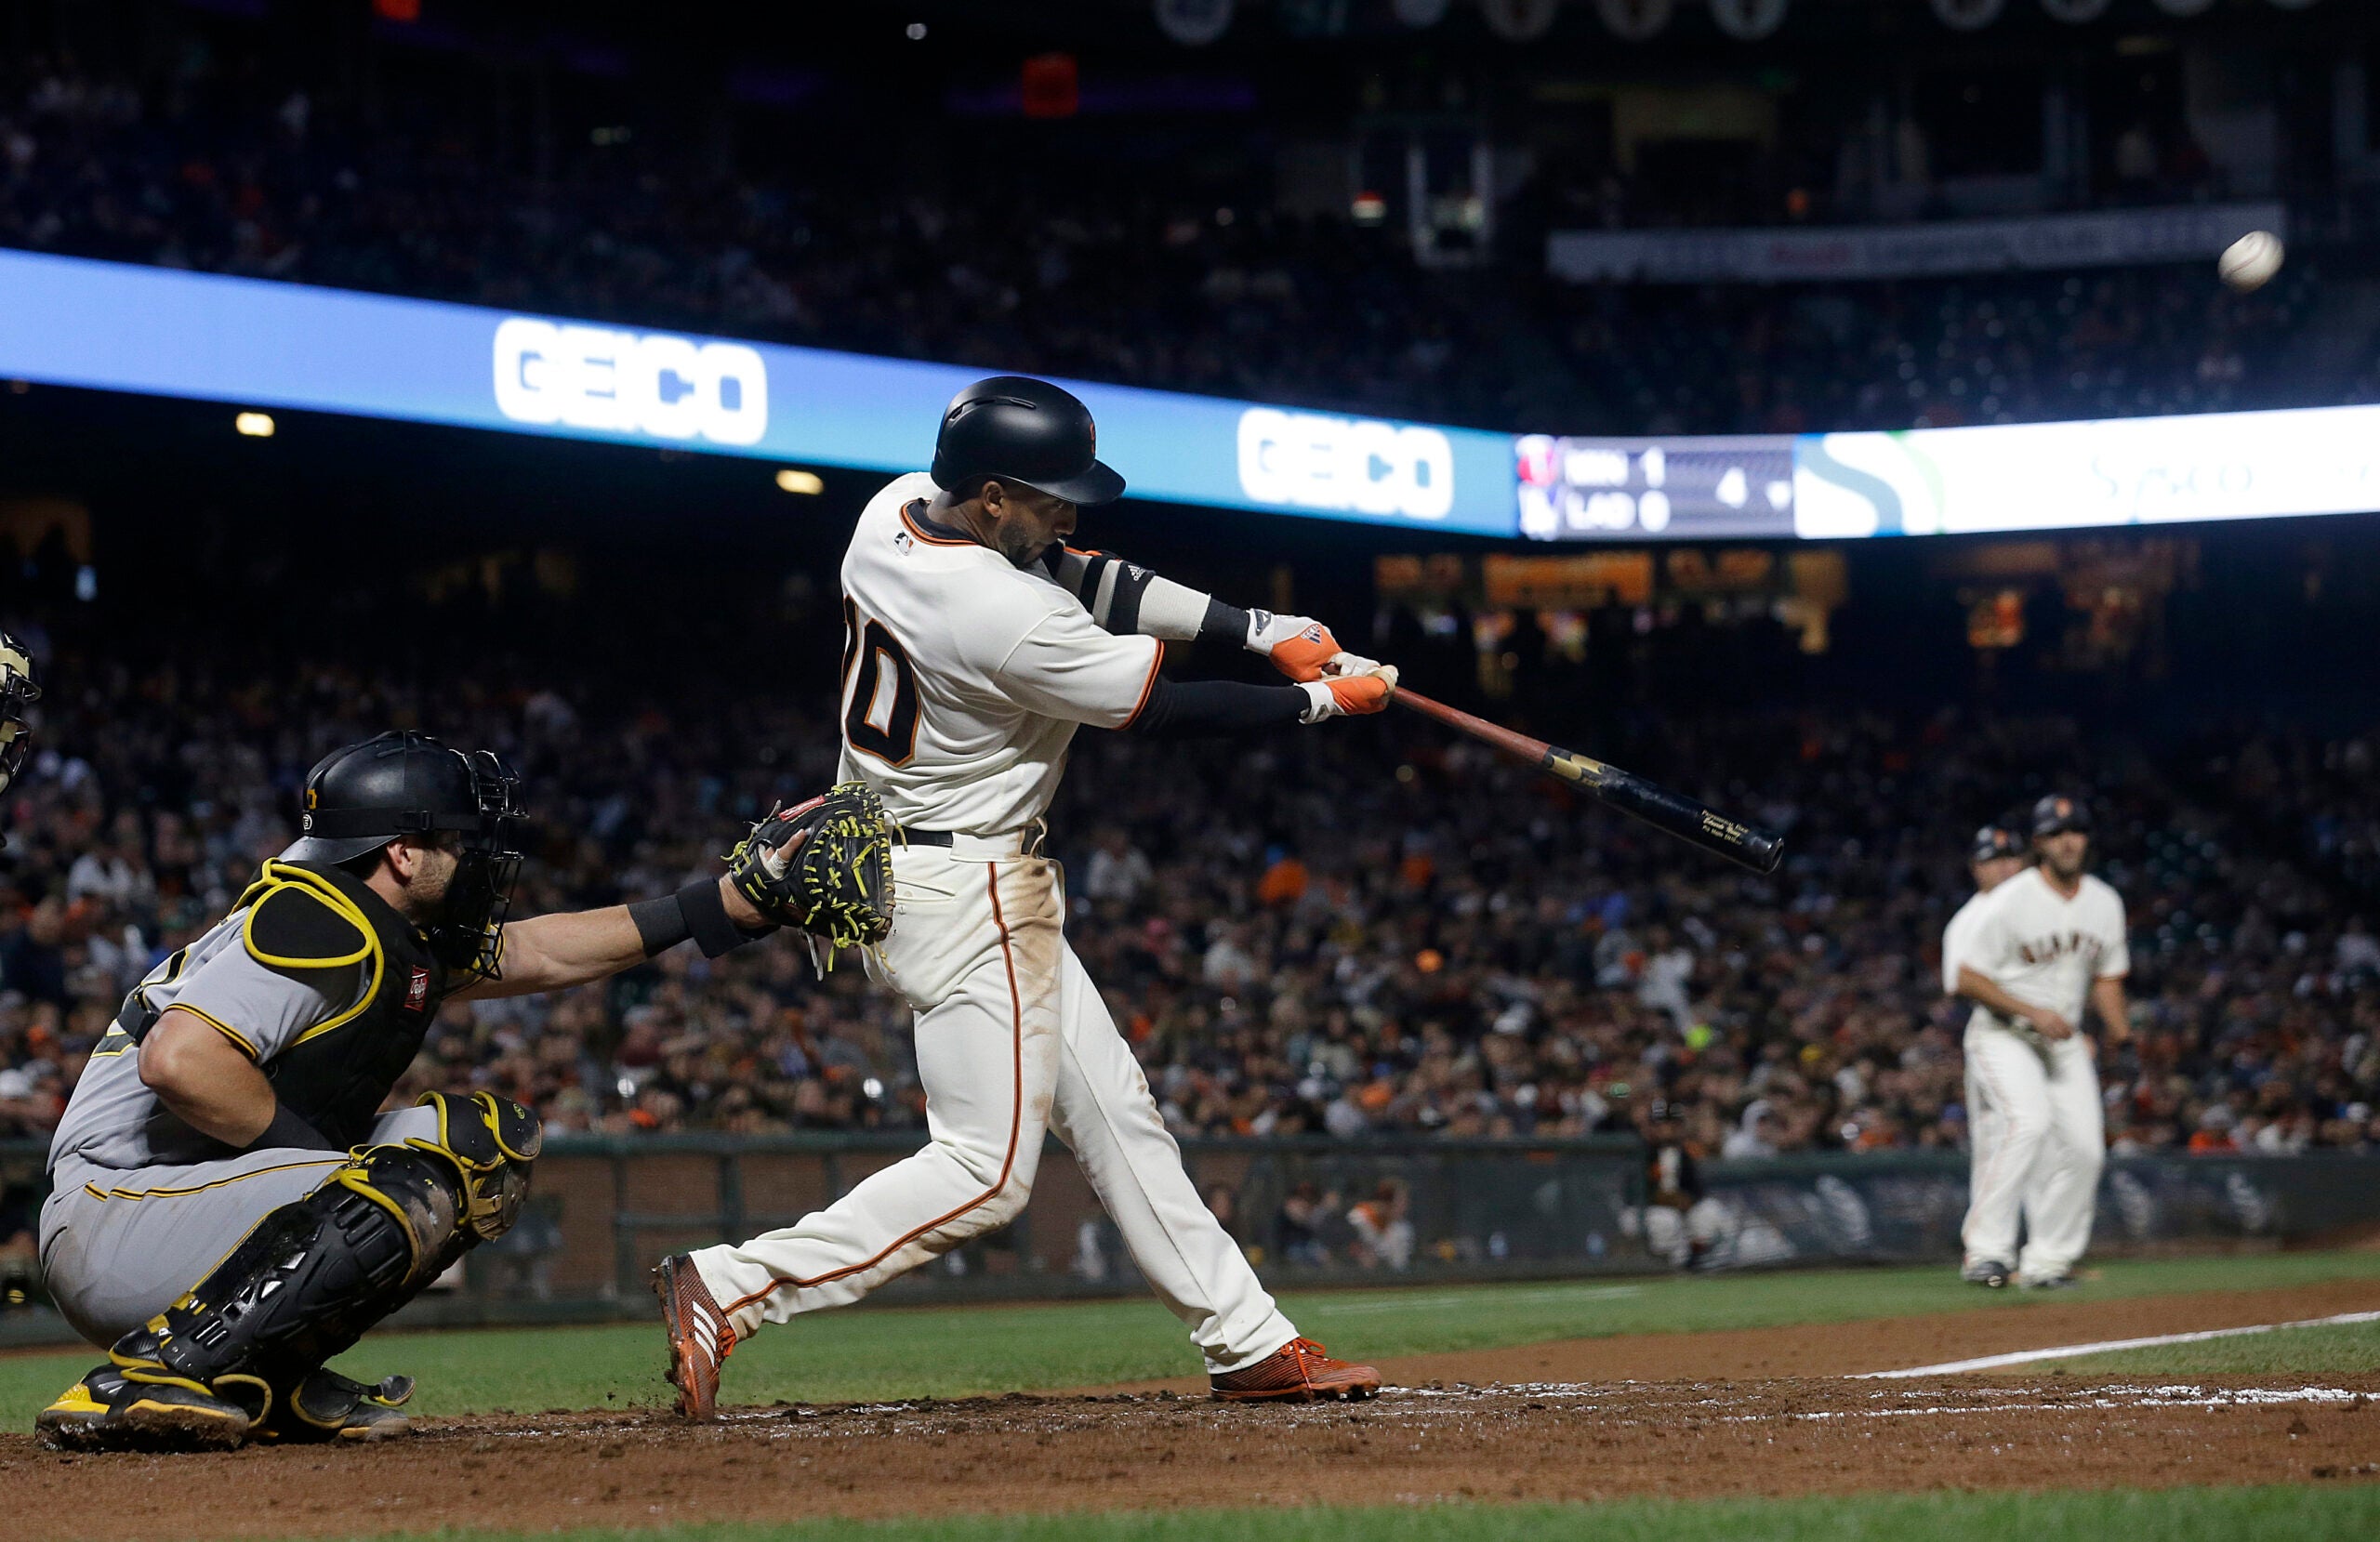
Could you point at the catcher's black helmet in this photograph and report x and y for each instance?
(18, 694)
(359, 798)
(1022, 430)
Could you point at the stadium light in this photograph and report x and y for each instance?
(254, 425)
(808, 483)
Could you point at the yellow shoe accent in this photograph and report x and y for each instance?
(75, 1401)
(166, 1379)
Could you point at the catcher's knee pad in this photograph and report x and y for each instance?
(306, 1282)
(491, 1142)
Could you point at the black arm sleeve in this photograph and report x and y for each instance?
(1197, 708)
(1223, 623)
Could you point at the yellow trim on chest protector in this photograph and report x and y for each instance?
(290, 886)
(286, 885)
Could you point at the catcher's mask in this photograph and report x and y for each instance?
(359, 798)
(18, 694)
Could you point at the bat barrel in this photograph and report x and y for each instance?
(1759, 849)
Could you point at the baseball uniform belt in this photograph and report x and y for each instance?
(1027, 842)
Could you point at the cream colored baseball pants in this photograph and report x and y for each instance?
(1012, 1039)
(2036, 1137)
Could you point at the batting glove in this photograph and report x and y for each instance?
(1350, 696)
(1299, 646)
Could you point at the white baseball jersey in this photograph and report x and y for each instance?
(2045, 949)
(1959, 936)
(964, 677)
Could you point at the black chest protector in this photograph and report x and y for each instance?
(308, 920)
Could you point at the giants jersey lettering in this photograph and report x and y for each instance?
(964, 677)
(2045, 949)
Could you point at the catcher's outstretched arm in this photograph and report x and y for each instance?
(553, 953)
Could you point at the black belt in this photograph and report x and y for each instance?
(945, 838)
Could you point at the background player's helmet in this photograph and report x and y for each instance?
(1022, 430)
(359, 798)
(1994, 841)
(18, 694)
(2059, 812)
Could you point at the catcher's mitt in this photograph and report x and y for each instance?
(839, 886)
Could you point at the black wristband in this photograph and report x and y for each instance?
(288, 1132)
(660, 924)
(707, 922)
(1223, 623)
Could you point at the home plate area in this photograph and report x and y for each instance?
(1162, 1450)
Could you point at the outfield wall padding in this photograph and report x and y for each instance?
(602, 1209)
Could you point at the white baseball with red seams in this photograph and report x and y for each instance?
(963, 686)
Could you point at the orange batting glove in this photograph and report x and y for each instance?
(1299, 646)
(1351, 694)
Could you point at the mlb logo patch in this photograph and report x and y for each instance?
(418, 990)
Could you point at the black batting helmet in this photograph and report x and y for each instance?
(360, 798)
(2058, 813)
(1026, 431)
(1992, 841)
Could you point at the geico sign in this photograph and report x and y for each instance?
(593, 378)
(1311, 461)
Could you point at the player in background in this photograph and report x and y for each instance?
(1996, 855)
(18, 691)
(2049, 942)
(1683, 1224)
(977, 644)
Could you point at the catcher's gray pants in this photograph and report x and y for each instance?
(119, 1245)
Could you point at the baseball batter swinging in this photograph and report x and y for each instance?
(2044, 944)
(977, 643)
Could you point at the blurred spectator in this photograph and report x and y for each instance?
(1384, 1228)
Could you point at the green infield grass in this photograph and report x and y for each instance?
(868, 1353)
(2300, 1514)
(2343, 1350)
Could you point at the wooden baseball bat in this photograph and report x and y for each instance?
(1759, 849)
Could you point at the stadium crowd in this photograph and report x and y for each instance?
(1357, 931)
(1102, 275)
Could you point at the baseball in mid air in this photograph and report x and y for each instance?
(2251, 261)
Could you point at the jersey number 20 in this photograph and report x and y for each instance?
(889, 733)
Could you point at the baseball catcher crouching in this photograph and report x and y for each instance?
(229, 1210)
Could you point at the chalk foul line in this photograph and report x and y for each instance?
(2069, 1351)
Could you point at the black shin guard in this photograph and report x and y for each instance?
(313, 1275)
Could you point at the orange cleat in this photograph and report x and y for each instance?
(1300, 1371)
(700, 1336)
